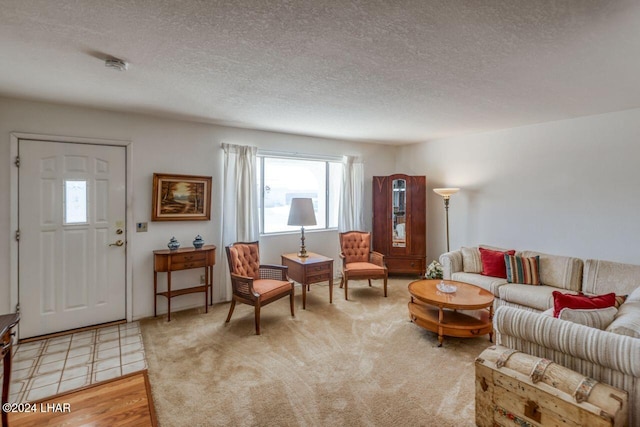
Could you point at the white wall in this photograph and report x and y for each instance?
(171, 146)
(570, 187)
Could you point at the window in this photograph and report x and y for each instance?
(282, 178)
(75, 202)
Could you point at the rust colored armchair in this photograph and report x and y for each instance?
(358, 261)
(256, 284)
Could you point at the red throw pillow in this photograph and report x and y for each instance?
(561, 301)
(493, 263)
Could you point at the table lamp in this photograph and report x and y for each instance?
(302, 214)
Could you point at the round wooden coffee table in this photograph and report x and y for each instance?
(438, 312)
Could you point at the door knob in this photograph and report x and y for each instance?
(117, 243)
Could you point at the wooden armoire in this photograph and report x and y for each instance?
(399, 222)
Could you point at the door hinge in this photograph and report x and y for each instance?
(18, 235)
(17, 162)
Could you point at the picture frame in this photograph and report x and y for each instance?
(181, 197)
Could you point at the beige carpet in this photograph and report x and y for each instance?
(352, 363)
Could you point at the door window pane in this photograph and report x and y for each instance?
(75, 202)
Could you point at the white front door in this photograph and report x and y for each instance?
(72, 228)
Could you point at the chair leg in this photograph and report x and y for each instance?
(385, 286)
(346, 286)
(291, 295)
(233, 305)
(369, 282)
(257, 315)
(342, 280)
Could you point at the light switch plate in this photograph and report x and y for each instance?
(141, 227)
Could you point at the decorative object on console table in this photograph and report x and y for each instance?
(399, 222)
(168, 261)
(198, 242)
(181, 198)
(173, 244)
(7, 322)
(313, 268)
(302, 214)
(446, 194)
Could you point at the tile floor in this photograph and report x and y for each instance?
(51, 366)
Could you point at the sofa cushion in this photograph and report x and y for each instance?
(562, 300)
(634, 296)
(538, 297)
(488, 283)
(522, 270)
(595, 318)
(606, 276)
(627, 321)
(558, 271)
(493, 262)
(471, 262)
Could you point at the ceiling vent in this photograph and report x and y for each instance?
(116, 64)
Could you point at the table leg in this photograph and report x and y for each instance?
(206, 289)
(211, 285)
(440, 320)
(304, 296)
(6, 353)
(155, 294)
(169, 296)
(331, 287)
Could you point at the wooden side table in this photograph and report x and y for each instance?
(313, 269)
(167, 261)
(7, 322)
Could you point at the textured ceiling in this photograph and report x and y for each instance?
(382, 71)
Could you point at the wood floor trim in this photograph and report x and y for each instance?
(87, 412)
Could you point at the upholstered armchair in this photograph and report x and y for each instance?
(253, 283)
(358, 261)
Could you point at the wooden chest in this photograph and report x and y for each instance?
(517, 389)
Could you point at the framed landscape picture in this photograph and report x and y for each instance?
(181, 198)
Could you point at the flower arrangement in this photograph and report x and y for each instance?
(434, 270)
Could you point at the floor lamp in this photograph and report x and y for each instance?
(302, 214)
(446, 193)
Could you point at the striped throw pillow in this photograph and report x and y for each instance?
(523, 270)
(471, 262)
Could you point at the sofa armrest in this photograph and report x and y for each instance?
(522, 330)
(451, 263)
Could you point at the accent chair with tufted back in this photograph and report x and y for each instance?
(358, 261)
(253, 283)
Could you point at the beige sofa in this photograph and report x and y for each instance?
(611, 355)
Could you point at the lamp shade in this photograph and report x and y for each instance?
(301, 212)
(446, 192)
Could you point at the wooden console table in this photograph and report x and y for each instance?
(168, 261)
(312, 269)
(7, 322)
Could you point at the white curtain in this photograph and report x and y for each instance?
(240, 216)
(352, 195)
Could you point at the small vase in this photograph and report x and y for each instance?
(198, 242)
(173, 244)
